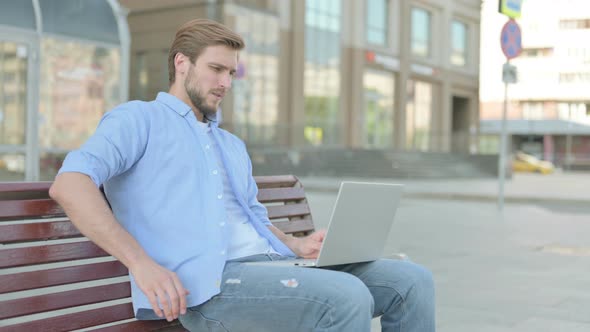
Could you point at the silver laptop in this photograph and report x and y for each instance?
(361, 219)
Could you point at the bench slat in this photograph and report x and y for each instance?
(76, 320)
(12, 187)
(295, 226)
(142, 325)
(37, 231)
(33, 208)
(49, 254)
(55, 301)
(270, 195)
(285, 211)
(60, 276)
(275, 181)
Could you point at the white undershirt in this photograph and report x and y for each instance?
(243, 238)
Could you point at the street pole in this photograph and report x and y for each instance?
(503, 143)
(510, 40)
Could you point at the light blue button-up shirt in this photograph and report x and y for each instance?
(243, 238)
(155, 162)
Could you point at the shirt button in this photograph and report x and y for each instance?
(222, 223)
(222, 252)
(214, 172)
(220, 196)
(207, 146)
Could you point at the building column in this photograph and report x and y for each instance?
(403, 76)
(351, 73)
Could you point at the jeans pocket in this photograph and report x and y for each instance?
(194, 320)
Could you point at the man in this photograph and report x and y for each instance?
(185, 216)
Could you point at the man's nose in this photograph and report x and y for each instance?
(226, 81)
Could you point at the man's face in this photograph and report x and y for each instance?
(210, 78)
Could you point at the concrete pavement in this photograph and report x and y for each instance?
(521, 270)
(522, 188)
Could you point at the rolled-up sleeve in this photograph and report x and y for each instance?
(119, 141)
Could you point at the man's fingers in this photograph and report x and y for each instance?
(317, 246)
(182, 293)
(154, 303)
(174, 298)
(165, 302)
(319, 235)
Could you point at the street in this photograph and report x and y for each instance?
(523, 270)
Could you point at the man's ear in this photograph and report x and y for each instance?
(181, 64)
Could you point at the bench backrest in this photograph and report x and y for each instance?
(54, 279)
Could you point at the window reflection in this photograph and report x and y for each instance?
(13, 94)
(418, 115)
(421, 32)
(12, 167)
(255, 88)
(79, 83)
(322, 72)
(458, 43)
(376, 21)
(379, 101)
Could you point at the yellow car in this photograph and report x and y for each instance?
(526, 163)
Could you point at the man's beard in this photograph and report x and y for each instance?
(198, 100)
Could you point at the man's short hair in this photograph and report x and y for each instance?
(194, 36)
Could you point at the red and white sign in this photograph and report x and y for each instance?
(510, 39)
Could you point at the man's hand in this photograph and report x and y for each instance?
(160, 286)
(309, 246)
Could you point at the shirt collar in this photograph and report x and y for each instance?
(173, 103)
(203, 126)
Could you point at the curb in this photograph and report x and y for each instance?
(456, 196)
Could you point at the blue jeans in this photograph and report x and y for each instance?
(338, 298)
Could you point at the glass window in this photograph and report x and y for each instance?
(533, 111)
(322, 72)
(12, 167)
(571, 24)
(256, 85)
(536, 52)
(149, 74)
(140, 88)
(13, 93)
(418, 115)
(421, 32)
(379, 101)
(376, 20)
(79, 83)
(572, 111)
(458, 43)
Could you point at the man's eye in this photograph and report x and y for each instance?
(216, 69)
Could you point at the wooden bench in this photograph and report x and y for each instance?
(54, 279)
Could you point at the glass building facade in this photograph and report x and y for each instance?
(377, 22)
(418, 115)
(371, 74)
(255, 89)
(322, 72)
(315, 74)
(378, 124)
(62, 65)
(421, 32)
